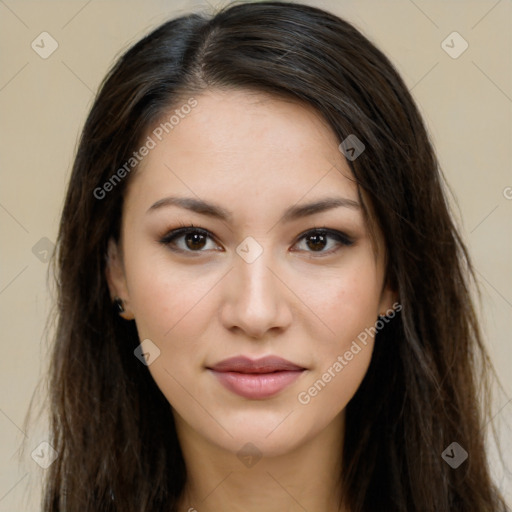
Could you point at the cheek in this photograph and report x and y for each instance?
(342, 356)
(171, 310)
(173, 305)
(165, 298)
(347, 302)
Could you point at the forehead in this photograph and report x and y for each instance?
(237, 138)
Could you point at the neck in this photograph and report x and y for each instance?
(305, 478)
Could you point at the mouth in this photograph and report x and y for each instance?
(256, 379)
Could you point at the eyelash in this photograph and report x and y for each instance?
(171, 236)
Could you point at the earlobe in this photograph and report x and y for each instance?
(114, 271)
(116, 279)
(389, 300)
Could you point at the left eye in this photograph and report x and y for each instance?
(195, 239)
(316, 239)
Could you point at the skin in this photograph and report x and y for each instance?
(254, 155)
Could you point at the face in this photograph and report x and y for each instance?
(255, 275)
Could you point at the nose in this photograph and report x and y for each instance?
(255, 299)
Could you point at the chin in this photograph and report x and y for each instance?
(270, 435)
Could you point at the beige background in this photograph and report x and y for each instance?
(466, 102)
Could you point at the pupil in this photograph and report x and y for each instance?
(316, 239)
(195, 240)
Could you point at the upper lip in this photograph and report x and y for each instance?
(242, 364)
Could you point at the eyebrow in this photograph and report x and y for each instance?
(293, 213)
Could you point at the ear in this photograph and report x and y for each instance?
(116, 278)
(388, 299)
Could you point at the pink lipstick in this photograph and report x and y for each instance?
(256, 379)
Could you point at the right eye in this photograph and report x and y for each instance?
(193, 239)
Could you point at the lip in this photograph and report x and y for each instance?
(256, 379)
(243, 364)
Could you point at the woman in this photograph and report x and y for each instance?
(264, 303)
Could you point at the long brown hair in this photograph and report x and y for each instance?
(112, 427)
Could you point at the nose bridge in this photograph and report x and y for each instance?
(257, 300)
(254, 282)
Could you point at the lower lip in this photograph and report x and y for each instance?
(257, 385)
